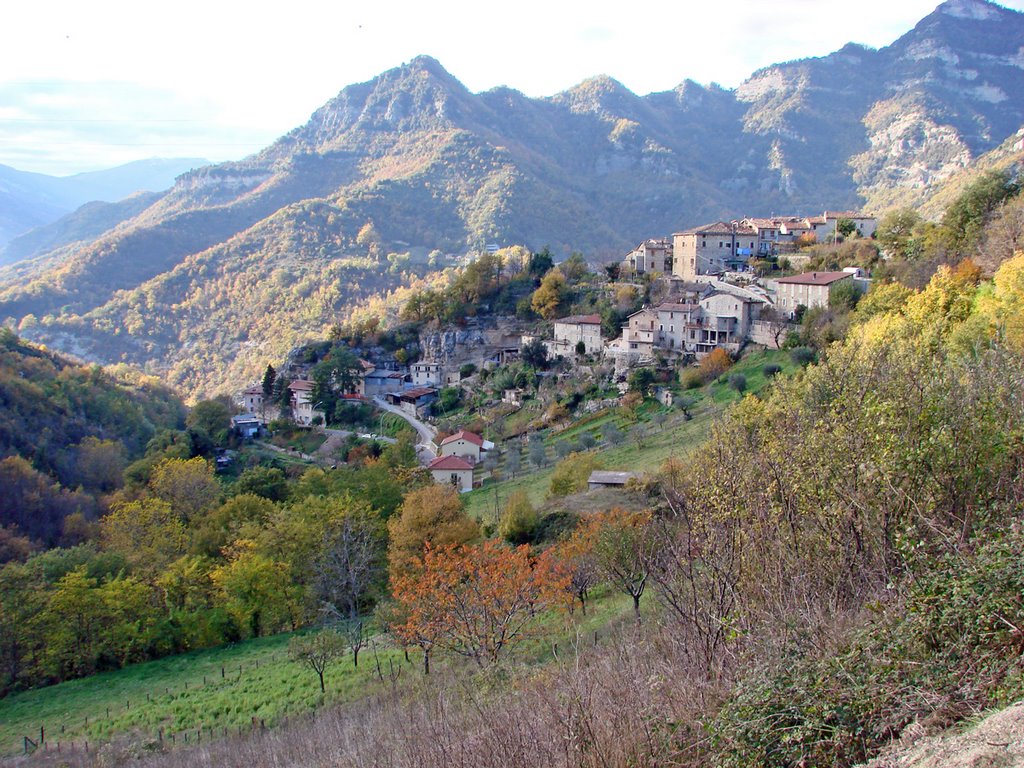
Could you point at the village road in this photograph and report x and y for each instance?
(427, 433)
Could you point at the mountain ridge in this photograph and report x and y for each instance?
(413, 160)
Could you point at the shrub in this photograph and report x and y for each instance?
(802, 355)
(518, 520)
(714, 364)
(738, 382)
(771, 370)
(691, 379)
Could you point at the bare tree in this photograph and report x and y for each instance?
(317, 651)
(351, 566)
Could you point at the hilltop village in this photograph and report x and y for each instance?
(720, 287)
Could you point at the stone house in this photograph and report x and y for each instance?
(824, 226)
(252, 399)
(380, 381)
(811, 289)
(653, 255)
(604, 479)
(427, 373)
(570, 331)
(304, 411)
(452, 470)
(713, 248)
(415, 401)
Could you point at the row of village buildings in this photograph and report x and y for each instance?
(708, 308)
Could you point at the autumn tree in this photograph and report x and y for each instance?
(147, 532)
(518, 519)
(622, 547)
(257, 590)
(476, 600)
(573, 560)
(431, 515)
(188, 485)
(547, 299)
(714, 364)
(572, 473)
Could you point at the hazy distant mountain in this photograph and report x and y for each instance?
(240, 259)
(29, 200)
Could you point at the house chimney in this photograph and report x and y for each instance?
(814, 275)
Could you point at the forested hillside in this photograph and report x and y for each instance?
(413, 162)
(67, 432)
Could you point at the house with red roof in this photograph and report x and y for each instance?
(465, 445)
(452, 470)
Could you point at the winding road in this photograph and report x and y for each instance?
(426, 433)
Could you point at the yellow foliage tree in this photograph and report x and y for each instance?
(433, 515)
(572, 472)
(548, 297)
(147, 532)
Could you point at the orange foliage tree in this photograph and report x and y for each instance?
(620, 545)
(715, 364)
(475, 601)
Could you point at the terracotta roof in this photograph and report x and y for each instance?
(580, 320)
(815, 278)
(717, 228)
(462, 434)
(253, 391)
(301, 385)
(449, 462)
(721, 228)
(666, 306)
(417, 392)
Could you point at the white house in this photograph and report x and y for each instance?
(570, 331)
(452, 470)
(465, 445)
(427, 373)
(304, 410)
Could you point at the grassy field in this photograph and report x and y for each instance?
(664, 433)
(222, 690)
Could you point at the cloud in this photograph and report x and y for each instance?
(66, 127)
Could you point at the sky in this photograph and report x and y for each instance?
(91, 85)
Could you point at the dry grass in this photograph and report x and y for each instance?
(625, 703)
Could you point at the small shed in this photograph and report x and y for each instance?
(246, 425)
(602, 479)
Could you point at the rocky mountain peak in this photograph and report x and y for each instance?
(976, 10)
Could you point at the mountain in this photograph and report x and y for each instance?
(29, 200)
(240, 259)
